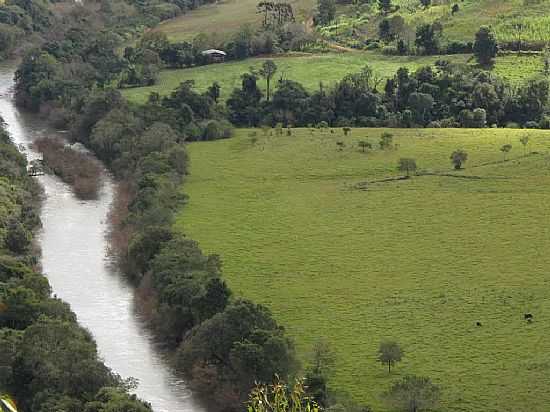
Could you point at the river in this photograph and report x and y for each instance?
(76, 261)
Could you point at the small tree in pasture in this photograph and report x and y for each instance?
(364, 145)
(455, 9)
(524, 141)
(458, 158)
(389, 353)
(413, 394)
(386, 141)
(505, 149)
(407, 165)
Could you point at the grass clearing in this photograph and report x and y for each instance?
(223, 18)
(420, 260)
(306, 69)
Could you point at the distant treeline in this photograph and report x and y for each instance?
(446, 95)
(25, 23)
(47, 361)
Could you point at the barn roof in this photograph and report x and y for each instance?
(213, 51)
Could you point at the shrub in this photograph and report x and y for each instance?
(531, 125)
(373, 46)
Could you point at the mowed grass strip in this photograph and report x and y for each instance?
(419, 261)
(307, 69)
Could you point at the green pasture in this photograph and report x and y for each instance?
(223, 18)
(312, 232)
(307, 69)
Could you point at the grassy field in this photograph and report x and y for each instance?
(419, 260)
(223, 18)
(306, 69)
(500, 14)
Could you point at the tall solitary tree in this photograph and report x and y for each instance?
(389, 353)
(485, 45)
(505, 149)
(524, 141)
(407, 165)
(268, 70)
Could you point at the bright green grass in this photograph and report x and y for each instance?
(518, 68)
(419, 261)
(500, 14)
(223, 18)
(306, 69)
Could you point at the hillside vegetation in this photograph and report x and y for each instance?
(310, 69)
(305, 68)
(303, 226)
(223, 18)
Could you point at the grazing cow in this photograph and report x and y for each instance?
(478, 323)
(528, 316)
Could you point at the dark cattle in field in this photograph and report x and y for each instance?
(528, 316)
(478, 323)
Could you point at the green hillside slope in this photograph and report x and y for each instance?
(420, 260)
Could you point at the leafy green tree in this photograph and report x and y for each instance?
(524, 140)
(319, 371)
(214, 92)
(421, 105)
(458, 158)
(267, 71)
(389, 352)
(427, 38)
(243, 344)
(386, 141)
(364, 145)
(384, 30)
(244, 102)
(326, 11)
(479, 118)
(407, 165)
(505, 149)
(426, 3)
(485, 46)
(413, 394)
(455, 9)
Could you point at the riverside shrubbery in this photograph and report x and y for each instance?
(78, 169)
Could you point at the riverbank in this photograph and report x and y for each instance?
(76, 260)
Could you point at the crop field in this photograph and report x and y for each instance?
(309, 228)
(223, 18)
(502, 15)
(306, 69)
